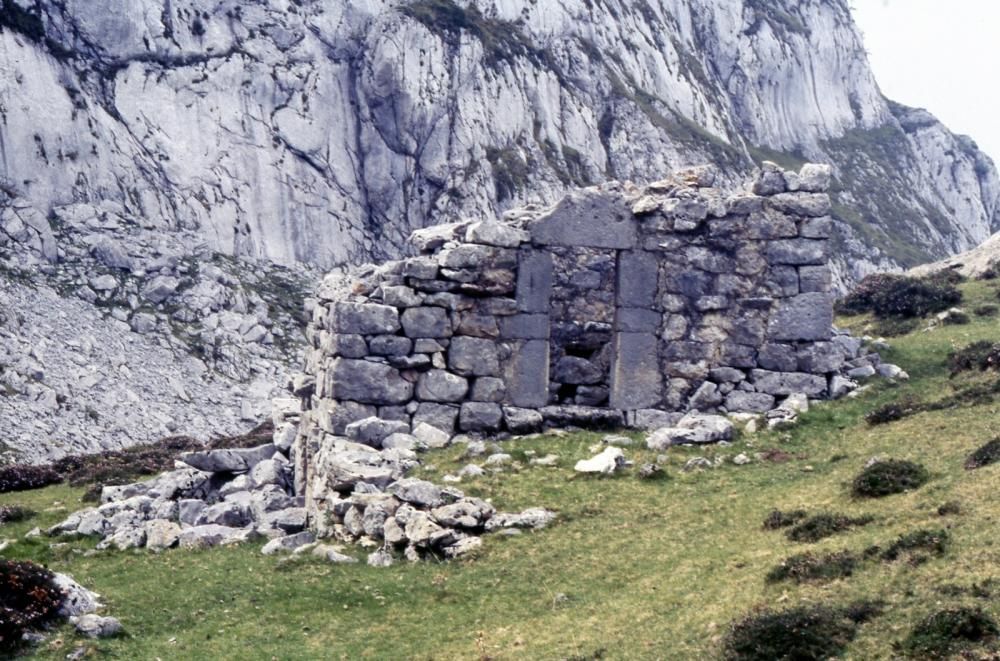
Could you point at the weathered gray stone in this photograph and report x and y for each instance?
(820, 358)
(637, 279)
(431, 238)
(206, 536)
(488, 389)
(706, 397)
(495, 234)
(464, 513)
(430, 436)
(96, 626)
(368, 383)
(787, 383)
(815, 279)
(522, 421)
(739, 401)
(333, 417)
(226, 513)
(534, 281)
(637, 320)
(478, 325)
(525, 327)
(288, 543)
(418, 492)
(815, 177)
(770, 181)
(480, 417)
(801, 204)
(228, 461)
(426, 322)
(587, 218)
(636, 380)
(527, 374)
(363, 318)
(806, 317)
(816, 228)
(442, 386)
(473, 356)
(346, 346)
(441, 416)
(575, 370)
(797, 252)
(372, 431)
(587, 417)
(390, 345)
(534, 518)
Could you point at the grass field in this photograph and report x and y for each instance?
(632, 569)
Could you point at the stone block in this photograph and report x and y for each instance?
(333, 417)
(439, 416)
(480, 417)
(525, 327)
(801, 204)
(488, 389)
(797, 252)
(636, 380)
(587, 218)
(441, 386)
(473, 356)
(638, 272)
(368, 383)
(815, 279)
(522, 421)
(492, 233)
(575, 370)
(534, 281)
(400, 296)
(815, 177)
(426, 322)
(739, 401)
(527, 374)
(806, 317)
(637, 320)
(770, 224)
(478, 325)
(363, 318)
(778, 358)
(788, 383)
(816, 228)
(390, 345)
(820, 358)
(345, 346)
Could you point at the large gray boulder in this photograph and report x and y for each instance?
(228, 461)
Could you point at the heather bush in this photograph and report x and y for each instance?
(898, 296)
(885, 478)
(28, 600)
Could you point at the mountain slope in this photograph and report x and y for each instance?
(321, 132)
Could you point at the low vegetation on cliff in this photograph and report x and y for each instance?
(679, 567)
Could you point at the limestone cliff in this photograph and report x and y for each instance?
(308, 131)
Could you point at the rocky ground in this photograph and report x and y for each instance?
(113, 333)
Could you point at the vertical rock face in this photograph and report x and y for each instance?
(325, 132)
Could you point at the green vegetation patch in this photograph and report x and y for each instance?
(884, 478)
(887, 295)
(14, 514)
(821, 526)
(984, 456)
(978, 356)
(934, 542)
(949, 631)
(807, 567)
(817, 632)
(777, 519)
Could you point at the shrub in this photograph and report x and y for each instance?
(28, 599)
(988, 310)
(887, 295)
(931, 541)
(981, 356)
(14, 513)
(22, 477)
(885, 478)
(808, 567)
(816, 632)
(778, 519)
(824, 525)
(952, 507)
(984, 456)
(947, 631)
(890, 413)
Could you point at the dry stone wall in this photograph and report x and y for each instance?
(620, 305)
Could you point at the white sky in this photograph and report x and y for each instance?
(941, 55)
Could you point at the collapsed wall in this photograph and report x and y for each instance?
(617, 306)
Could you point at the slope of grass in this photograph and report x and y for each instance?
(632, 569)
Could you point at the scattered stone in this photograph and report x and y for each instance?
(95, 626)
(610, 461)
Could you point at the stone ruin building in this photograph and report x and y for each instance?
(618, 306)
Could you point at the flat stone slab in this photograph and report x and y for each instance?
(588, 218)
(228, 461)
